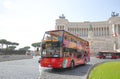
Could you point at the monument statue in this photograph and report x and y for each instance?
(113, 14)
(62, 16)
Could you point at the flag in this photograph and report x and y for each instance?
(115, 34)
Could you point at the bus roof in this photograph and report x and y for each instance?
(66, 32)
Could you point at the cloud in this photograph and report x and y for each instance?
(7, 4)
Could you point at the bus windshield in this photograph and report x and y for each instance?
(51, 44)
(51, 52)
(53, 36)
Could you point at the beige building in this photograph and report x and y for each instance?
(102, 35)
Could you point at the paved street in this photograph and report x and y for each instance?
(19, 69)
(79, 72)
(29, 69)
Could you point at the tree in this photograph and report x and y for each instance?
(14, 43)
(7, 43)
(36, 45)
(26, 48)
(2, 42)
(11, 47)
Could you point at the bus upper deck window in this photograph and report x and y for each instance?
(60, 39)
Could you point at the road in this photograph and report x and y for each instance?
(19, 69)
(30, 69)
(79, 72)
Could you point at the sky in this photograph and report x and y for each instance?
(25, 21)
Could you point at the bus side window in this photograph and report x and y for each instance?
(73, 40)
(79, 55)
(60, 39)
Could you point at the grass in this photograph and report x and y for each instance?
(109, 70)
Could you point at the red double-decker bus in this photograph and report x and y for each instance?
(61, 49)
